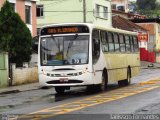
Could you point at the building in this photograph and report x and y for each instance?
(68, 11)
(153, 27)
(27, 11)
(121, 5)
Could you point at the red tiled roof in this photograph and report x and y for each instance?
(122, 23)
(148, 26)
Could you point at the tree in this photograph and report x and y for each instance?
(15, 37)
(148, 7)
(146, 4)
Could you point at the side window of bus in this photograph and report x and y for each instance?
(132, 43)
(128, 46)
(96, 46)
(116, 42)
(122, 43)
(104, 42)
(136, 47)
(110, 42)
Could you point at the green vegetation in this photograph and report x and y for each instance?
(150, 8)
(15, 37)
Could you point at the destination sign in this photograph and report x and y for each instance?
(64, 30)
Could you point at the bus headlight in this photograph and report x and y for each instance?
(44, 73)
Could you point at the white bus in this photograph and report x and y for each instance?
(83, 54)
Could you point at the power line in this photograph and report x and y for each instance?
(54, 3)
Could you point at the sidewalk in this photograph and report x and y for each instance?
(146, 65)
(20, 88)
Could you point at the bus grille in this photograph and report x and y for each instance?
(60, 82)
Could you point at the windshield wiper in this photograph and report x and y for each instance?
(70, 44)
(58, 46)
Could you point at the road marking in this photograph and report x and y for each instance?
(107, 96)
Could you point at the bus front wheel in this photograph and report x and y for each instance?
(104, 82)
(59, 89)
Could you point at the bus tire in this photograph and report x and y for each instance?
(126, 81)
(59, 89)
(103, 85)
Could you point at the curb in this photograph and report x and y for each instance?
(19, 88)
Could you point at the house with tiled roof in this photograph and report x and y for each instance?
(122, 23)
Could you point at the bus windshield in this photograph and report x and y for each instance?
(64, 50)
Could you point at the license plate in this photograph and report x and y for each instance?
(63, 79)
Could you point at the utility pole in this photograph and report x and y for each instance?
(84, 11)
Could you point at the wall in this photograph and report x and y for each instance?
(102, 21)
(158, 57)
(70, 11)
(3, 70)
(1, 3)
(34, 19)
(60, 12)
(24, 75)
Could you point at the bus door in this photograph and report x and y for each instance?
(96, 55)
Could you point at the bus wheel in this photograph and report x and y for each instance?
(59, 89)
(126, 81)
(104, 83)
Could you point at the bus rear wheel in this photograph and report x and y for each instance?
(59, 89)
(127, 81)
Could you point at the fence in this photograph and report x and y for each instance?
(3, 69)
(25, 74)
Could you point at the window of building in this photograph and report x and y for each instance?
(114, 6)
(105, 12)
(13, 6)
(98, 10)
(40, 11)
(101, 11)
(28, 14)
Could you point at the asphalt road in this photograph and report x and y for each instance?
(78, 104)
